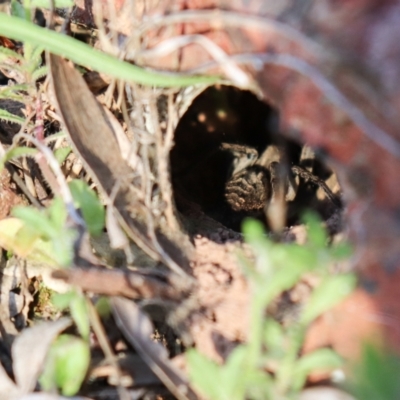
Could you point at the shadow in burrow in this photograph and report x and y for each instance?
(200, 167)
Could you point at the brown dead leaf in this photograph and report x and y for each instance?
(94, 140)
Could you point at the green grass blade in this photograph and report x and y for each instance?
(10, 95)
(39, 73)
(7, 116)
(83, 54)
(6, 53)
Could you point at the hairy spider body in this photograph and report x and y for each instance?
(268, 181)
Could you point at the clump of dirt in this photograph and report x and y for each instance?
(222, 302)
(223, 297)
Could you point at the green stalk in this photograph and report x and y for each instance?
(285, 372)
(258, 305)
(80, 53)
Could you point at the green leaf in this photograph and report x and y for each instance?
(47, 3)
(6, 53)
(234, 374)
(341, 251)
(282, 279)
(79, 314)
(329, 293)
(316, 234)
(72, 363)
(92, 210)
(25, 240)
(57, 213)
(14, 238)
(62, 300)
(273, 336)
(259, 386)
(205, 375)
(17, 9)
(37, 55)
(377, 375)
(62, 245)
(295, 256)
(11, 95)
(15, 92)
(66, 366)
(22, 87)
(39, 73)
(55, 136)
(36, 219)
(255, 235)
(253, 230)
(7, 116)
(50, 225)
(17, 152)
(321, 360)
(62, 153)
(103, 307)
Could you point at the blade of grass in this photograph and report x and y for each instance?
(81, 53)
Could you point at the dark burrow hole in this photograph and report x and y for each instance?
(231, 160)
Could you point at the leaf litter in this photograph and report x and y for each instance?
(216, 319)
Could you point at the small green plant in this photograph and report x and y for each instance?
(68, 359)
(44, 235)
(270, 365)
(69, 356)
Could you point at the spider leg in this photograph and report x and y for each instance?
(308, 176)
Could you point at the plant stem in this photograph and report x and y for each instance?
(257, 324)
(284, 375)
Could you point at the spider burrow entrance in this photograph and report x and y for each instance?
(231, 160)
